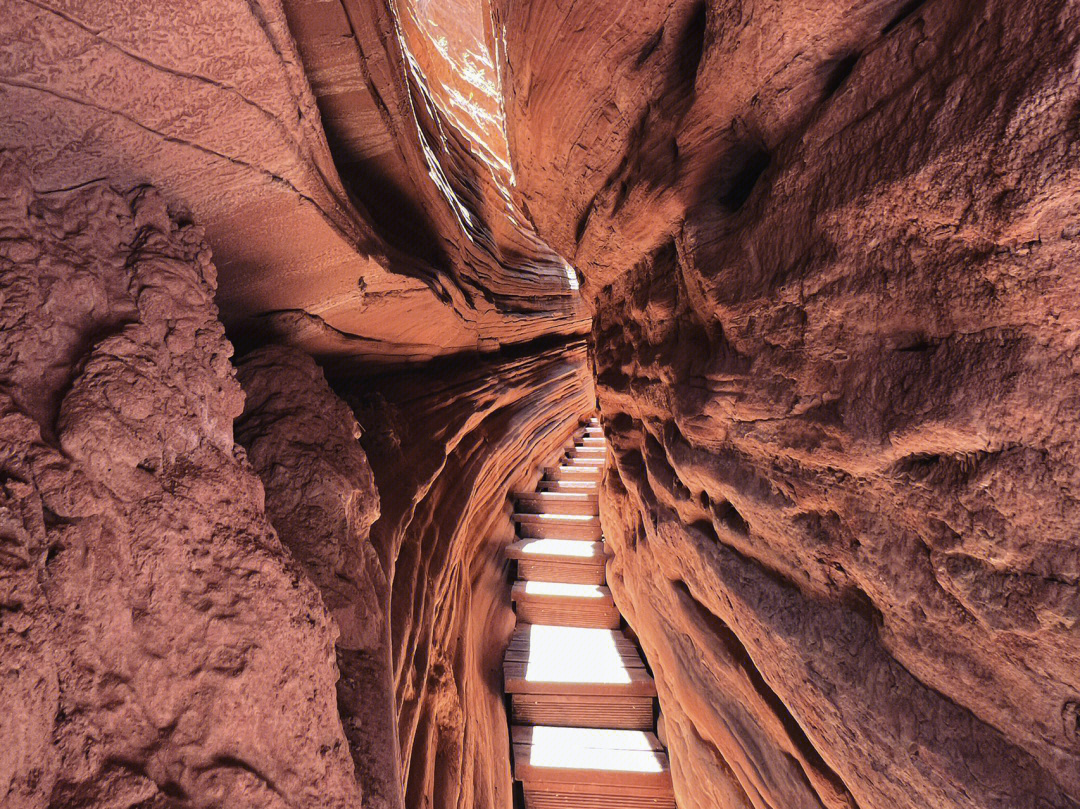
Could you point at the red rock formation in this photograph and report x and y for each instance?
(830, 247)
(208, 102)
(321, 499)
(157, 643)
(448, 444)
(409, 254)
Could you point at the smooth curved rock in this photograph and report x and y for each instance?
(447, 445)
(830, 248)
(209, 102)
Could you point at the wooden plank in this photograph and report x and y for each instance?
(563, 472)
(636, 682)
(559, 560)
(561, 591)
(526, 637)
(588, 738)
(563, 550)
(557, 570)
(571, 660)
(578, 460)
(583, 711)
(560, 526)
(557, 502)
(591, 486)
(563, 604)
(559, 796)
(591, 520)
(627, 656)
(568, 614)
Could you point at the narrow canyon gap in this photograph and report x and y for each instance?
(295, 293)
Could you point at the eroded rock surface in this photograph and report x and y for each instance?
(158, 645)
(302, 440)
(831, 249)
(447, 444)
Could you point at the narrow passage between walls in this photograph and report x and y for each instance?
(583, 704)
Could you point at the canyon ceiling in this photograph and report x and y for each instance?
(294, 294)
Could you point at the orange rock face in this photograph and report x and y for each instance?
(449, 444)
(831, 252)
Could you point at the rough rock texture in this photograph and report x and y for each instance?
(302, 440)
(832, 250)
(447, 444)
(158, 645)
(208, 101)
(830, 246)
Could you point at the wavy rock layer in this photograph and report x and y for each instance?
(157, 642)
(447, 445)
(208, 101)
(830, 248)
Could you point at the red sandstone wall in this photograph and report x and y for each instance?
(447, 445)
(157, 642)
(831, 249)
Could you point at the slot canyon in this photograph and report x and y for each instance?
(296, 296)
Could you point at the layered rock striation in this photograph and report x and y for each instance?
(830, 251)
(376, 244)
(448, 444)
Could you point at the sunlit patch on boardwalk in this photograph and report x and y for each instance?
(582, 699)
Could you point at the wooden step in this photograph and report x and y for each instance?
(575, 460)
(560, 526)
(583, 711)
(565, 472)
(588, 486)
(566, 560)
(591, 441)
(558, 502)
(562, 604)
(583, 460)
(573, 796)
(596, 762)
(572, 660)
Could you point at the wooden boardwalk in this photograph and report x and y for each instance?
(582, 701)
